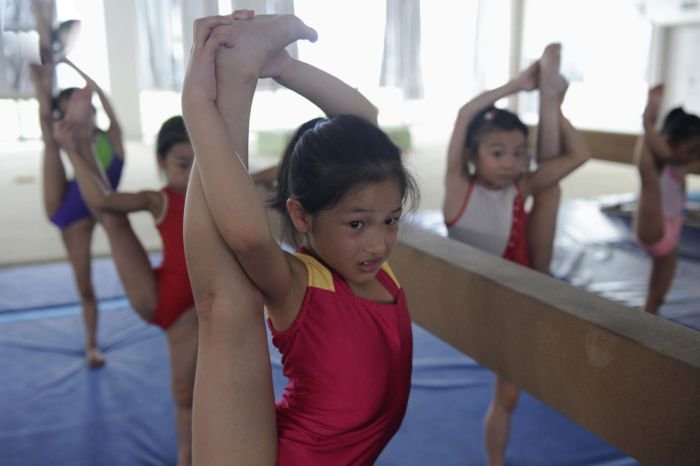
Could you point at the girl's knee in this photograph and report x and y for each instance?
(144, 305)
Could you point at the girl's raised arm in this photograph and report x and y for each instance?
(329, 93)
(71, 134)
(115, 130)
(220, 138)
(233, 413)
(526, 80)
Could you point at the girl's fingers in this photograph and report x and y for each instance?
(243, 14)
(216, 40)
(204, 26)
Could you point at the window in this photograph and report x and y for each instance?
(605, 49)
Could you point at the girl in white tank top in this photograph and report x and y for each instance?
(487, 184)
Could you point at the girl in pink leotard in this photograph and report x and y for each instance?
(662, 158)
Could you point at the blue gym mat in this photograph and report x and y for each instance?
(57, 412)
(54, 411)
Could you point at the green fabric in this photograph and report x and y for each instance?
(103, 149)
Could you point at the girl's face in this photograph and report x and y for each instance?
(502, 158)
(177, 164)
(357, 235)
(63, 109)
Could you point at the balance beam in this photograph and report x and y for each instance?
(630, 377)
(610, 146)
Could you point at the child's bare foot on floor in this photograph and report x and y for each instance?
(94, 358)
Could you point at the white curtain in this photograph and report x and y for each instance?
(189, 11)
(161, 64)
(401, 66)
(17, 22)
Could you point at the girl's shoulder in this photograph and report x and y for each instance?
(456, 194)
(318, 275)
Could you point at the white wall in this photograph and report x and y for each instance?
(682, 73)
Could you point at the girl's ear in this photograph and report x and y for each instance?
(299, 217)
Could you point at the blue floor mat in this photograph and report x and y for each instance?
(57, 412)
(30, 287)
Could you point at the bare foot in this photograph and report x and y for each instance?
(257, 39)
(94, 358)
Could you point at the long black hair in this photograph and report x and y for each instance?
(327, 158)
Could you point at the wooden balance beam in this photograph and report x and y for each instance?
(611, 146)
(629, 377)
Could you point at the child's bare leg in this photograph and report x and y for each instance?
(233, 415)
(132, 264)
(129, 255)
(498, 419)
(53, 172)
(77, 239)
(43, 12)
(233, 409)
(542, 222)
(182, 346)
(543, 215)
(662, 271)
(648, 218)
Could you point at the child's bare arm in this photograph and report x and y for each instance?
(73, 134)
(329, 93)
(265, 175)
(115, 130)
(221, 146)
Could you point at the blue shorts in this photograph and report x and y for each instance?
(73, 207)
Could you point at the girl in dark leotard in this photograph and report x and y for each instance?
(63, 203)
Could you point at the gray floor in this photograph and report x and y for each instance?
(26, 236)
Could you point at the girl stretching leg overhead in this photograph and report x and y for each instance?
(334, 308)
